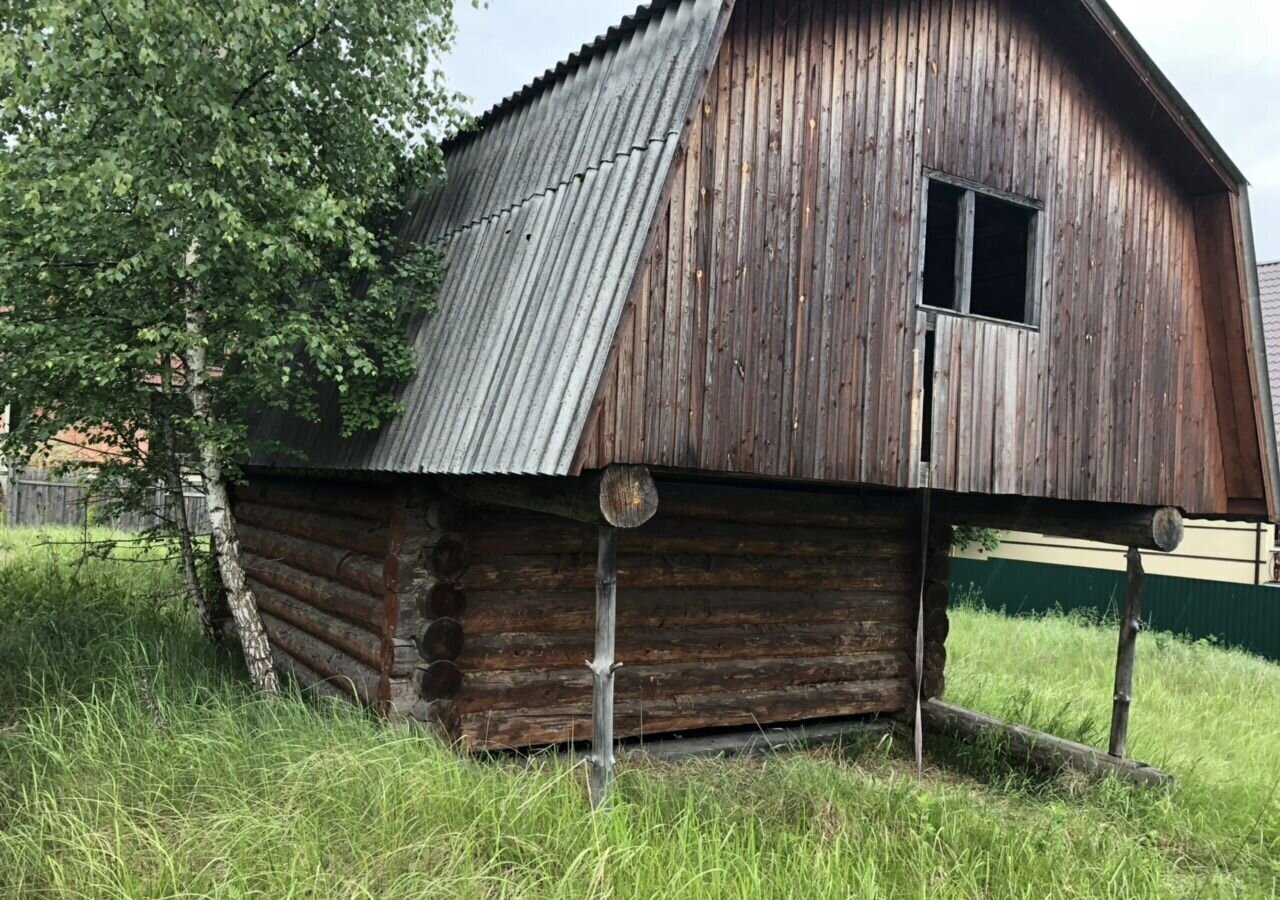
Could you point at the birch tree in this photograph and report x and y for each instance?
(201, 198)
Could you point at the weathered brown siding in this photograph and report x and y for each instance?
(736, 606)
(774, 330)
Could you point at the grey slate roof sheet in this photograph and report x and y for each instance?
(543, 217)
(1269, 292)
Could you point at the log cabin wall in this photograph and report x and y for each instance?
(333, 565)
(775, 329)
(736, 606)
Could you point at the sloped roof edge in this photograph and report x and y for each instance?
(588, 51)
(1163, 89)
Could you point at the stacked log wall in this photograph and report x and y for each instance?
(736, 606)
(331, 564)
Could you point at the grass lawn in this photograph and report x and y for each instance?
(134, 763)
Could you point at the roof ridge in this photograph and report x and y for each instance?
(644, 13)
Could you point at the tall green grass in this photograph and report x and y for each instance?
(135, 763)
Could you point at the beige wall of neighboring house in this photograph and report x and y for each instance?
(1238, 552)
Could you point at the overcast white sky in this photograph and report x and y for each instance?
(1221, 54)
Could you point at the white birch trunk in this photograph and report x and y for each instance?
(172, 467)
(244, 608)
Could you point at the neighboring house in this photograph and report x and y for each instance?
(772, 269)
(1214, 550)
(1231, 551)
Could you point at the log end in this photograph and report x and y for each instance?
(439, 681)
(1167, 529)
(441, 641)
(628, 496)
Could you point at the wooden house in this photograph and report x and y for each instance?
(746, 303)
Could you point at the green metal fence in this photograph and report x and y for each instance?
(1237, 615)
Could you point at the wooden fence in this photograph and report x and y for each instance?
(38, 498)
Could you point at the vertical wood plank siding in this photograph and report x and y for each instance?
(775, 331)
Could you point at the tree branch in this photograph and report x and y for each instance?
(264, 75)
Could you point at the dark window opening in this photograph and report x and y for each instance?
(1001, 241)
(940, 245)
(979, 253)
(926, 429)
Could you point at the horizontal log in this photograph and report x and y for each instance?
(361, 535)
(523, 689)
(1144, 527)
(350, 639)
(315, 590)
(1037, 749)
(308, 680)
(356, 570)
(502, 533)
(443, 639)
(326, 661)
(363, 501)
(621, 496)
(534, 727)
(828, 508)
(516, 651)
(532, 573)
(495, 612)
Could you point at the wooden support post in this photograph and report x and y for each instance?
(1130, 625)
(602, 668)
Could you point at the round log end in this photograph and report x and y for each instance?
(439, 681)
(1166, 529)
(628, 496)
(937, 595)
(441, 641)
(441, 599)
(938, 567)
(449, 556)
(445, 515)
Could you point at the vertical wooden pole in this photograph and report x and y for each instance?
(1130, 625)
(602, 668)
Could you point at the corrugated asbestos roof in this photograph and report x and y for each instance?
(1269, 292)
(543, 217)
